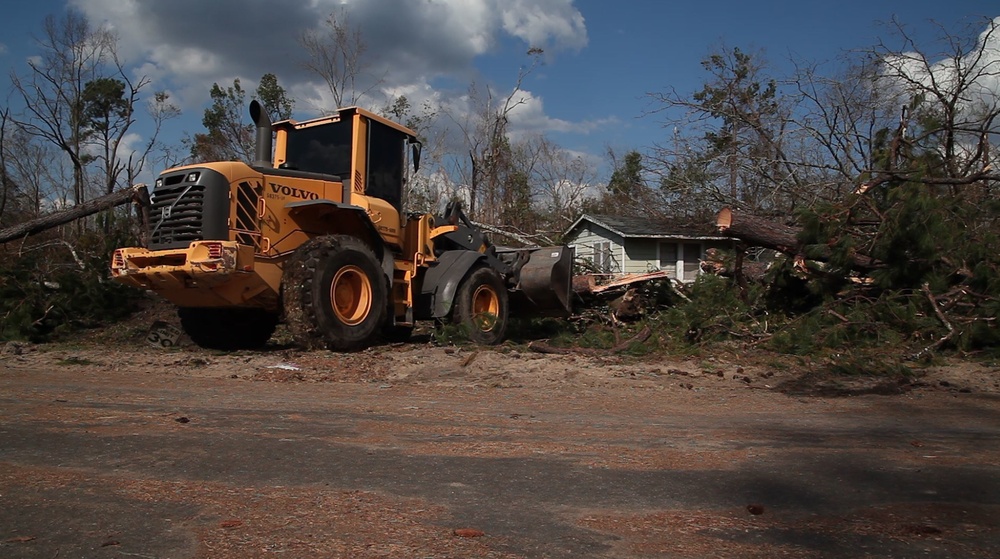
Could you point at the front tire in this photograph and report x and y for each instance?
(228, 329)
(481, 306)
(334, 294)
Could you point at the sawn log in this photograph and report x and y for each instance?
(757, 231)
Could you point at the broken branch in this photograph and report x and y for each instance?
(542, 347)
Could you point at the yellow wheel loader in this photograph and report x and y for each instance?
(315, 235)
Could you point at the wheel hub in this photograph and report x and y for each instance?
(485, 308)
(351, 295)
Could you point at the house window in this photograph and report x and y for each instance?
(602, 256)
(668, 259)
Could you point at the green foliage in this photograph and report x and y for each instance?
(743, 136)
(788, 291)
(104, 103)
(913, 237)
(623, 339)
(626, 180)
(885, 322)
(712, 313)
(517, 209)
(627, 191)
(450, 333)
(736, 83)
(402, 111)
(937, 272)
(227, 137)
(274, 98)
(46, 292)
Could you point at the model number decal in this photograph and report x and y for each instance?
(293, 192)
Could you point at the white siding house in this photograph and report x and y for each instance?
(628, 245)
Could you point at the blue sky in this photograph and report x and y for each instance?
(602, 57)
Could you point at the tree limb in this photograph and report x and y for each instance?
(137, 193)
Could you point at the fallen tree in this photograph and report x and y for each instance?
(758, 231)
(932, 264)
(136, 193)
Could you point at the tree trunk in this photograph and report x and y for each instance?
(757, 231)
(137, 193)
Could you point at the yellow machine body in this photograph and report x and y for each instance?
(221, 233)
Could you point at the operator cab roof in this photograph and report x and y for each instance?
(342, 115)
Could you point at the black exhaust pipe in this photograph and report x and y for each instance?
(262, 151)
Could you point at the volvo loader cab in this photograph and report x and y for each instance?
(313, 233)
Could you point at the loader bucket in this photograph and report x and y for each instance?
(545, 281)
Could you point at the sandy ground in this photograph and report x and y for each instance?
(115, 447)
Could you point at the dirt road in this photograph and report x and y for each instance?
(419, 451)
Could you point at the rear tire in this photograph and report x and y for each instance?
(228, 329)
(481, 306)
(334, 294)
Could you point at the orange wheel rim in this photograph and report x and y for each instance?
(485, 308)
(351, 295)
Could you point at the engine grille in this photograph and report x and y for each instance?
(176, 213)
(186, 206)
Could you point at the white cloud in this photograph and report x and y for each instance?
(528, 115)
(978, 72)
(186, 45)
(558, 24)
(973, 78)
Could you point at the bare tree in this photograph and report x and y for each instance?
(8, 188)
(562, 183)
(733, 137)
(72, 55)
(840, 116)
(903, 114)
(159, 109)
(953, 107)
(337, 55)
(421, 192)
(108, 110)
(493, 182)
(31, 170)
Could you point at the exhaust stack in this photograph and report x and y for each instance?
(262, 151)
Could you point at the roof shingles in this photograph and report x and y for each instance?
(628, 226)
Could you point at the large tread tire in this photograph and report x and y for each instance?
(334, 294)
(481, 306)
(228, 329)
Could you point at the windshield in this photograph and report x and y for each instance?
(320, 149)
